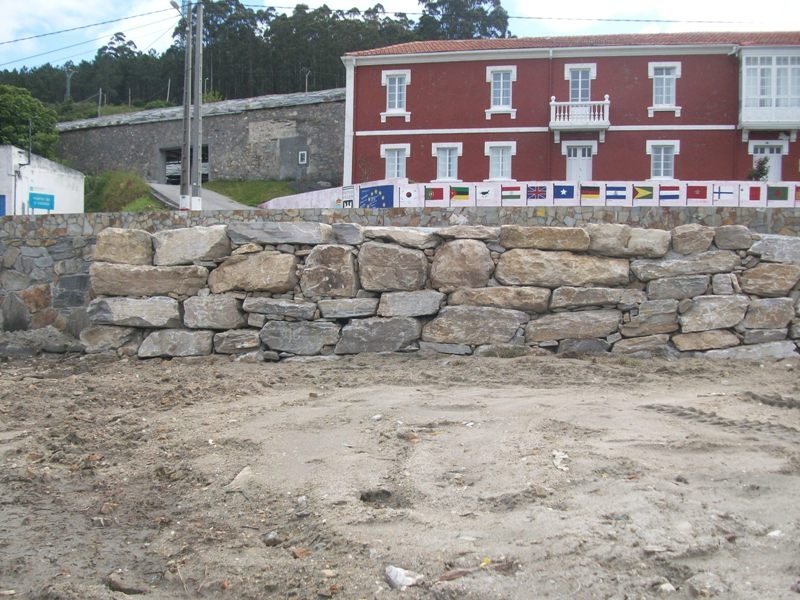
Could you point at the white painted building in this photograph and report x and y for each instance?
(33, 185)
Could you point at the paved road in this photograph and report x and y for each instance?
(171, 196)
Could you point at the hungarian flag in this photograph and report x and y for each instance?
(434, 193)
(510, 192)
(458, 192)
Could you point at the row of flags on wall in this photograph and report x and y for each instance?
(566, 193)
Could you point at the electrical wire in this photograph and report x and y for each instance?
(79, 28)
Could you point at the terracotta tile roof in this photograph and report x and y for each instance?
(775, 38)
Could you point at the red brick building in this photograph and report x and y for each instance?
(688, 106)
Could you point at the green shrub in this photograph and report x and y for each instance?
(113, 190)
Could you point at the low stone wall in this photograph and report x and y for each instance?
(270, 290)
(45, 260)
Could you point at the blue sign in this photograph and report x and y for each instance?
(43, 201)
(2, 205)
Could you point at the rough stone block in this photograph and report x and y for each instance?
(410, 304)
(267, 271)
(527, 299)
(280, 308)
(777, 249)
(474, 325)
(108, 338)
(378, 334)
(461, 263)
(305, 338)
(705, 263)
(108, 279)
(576, 297)
(330, 271)
(556, 269)
(692, 238)
(124, 246)
(152, 312)
(651, 318)
(770, 279)
(390, 267)
(733, 237)
(187, 245)
(573, 239)
(569, 325)
(714, 312)
(272, 232)
(705, 340)
(410, 237)
(236, 341)
(177, 343)
(216, 311)
(769, 313)
(348, 308)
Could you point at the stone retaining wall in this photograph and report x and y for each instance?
(268, 290)
(45, 260)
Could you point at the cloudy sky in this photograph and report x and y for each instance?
(153, 29)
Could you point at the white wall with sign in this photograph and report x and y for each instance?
(37, 186)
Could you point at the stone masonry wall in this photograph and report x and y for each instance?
(45, 260)
(271, 290)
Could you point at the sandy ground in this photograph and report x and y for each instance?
(536, 477)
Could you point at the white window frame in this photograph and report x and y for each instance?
(396, 111)
(651, 74)
(398, 151)
(568, 70)
(435, 148)
(505, 174)
(501, 109)
(652, 147)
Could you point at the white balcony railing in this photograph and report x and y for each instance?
(579, 116)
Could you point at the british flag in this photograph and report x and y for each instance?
(536, 192)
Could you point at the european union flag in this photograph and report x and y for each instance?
(376, 196)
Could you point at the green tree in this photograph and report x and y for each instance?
(21, 113)
(462, 20)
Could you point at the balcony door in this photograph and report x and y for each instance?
(774, 154)
(579, 162)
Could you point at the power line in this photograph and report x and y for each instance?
(41, 35)
(11, 62)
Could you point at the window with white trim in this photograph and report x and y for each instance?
(396, 82)
(500, 97)
(580, 78)
(665, 76)
(447, 160)
(662, 158)
(395, 156)
(771, 81)
(500, 154)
